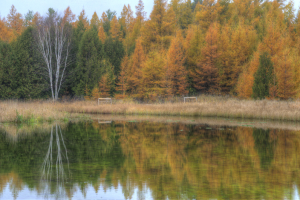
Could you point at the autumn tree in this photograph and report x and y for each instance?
(140, 13)
(158, 30)
(122, 80)
(15, 21)
(193, 44)
(95, 21)
(262, 77)
(6, 34)
(208, 13)
(286, 83)
(104, 86)
(83, 18)
(68, 16)
(152, 76)
(206, 75)
(135, 70)
(115, 29)
(175, 70)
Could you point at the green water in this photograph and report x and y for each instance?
(148, 160)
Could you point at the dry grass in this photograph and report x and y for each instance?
(38, 111)
(207, 106)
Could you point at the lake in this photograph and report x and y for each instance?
(155, 158)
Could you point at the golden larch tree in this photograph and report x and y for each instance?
(135, 71)
(95, 93)
(122, 79)
(68, 16)
(101, 34)
(140, 13)
(95, 21)
(176, 73)
(246, 78)
(153, 76)
(208, 13)
(15, 21)
(286, 83)
(206, 75)
(103, 86)
(82, 17)
(115, 29)
(6, 34)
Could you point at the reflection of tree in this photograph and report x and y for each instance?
(264, 146)
(47, 176)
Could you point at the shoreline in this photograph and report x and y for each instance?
(216, 107)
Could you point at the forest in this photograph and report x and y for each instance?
(242, 48)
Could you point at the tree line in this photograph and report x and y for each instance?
(245, 48)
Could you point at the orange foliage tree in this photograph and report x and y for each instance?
(122, 80)
(208, 13)
(135, 71)
(175, 71)
(15, 21)
(68, 16)
(103, 86)
(206, 75)
(286, 84)
(115, 29)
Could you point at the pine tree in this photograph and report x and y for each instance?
(88, 69)
(8, 80)
(115, 29)
(263, 77)
(30, 83)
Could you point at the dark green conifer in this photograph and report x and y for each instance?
(262, 77)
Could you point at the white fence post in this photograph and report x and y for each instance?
(106, 99)
(190, 98)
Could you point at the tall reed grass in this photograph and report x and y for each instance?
(207, 106)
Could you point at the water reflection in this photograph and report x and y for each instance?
(150, 160)
(47, 175)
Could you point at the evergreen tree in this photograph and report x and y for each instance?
(263, 77)
(115, 51)
(8, 82)
(88, 70)
(30, 83)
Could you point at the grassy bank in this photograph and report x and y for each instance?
(206, 106)
(34, 112)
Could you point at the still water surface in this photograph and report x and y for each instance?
(149, 160)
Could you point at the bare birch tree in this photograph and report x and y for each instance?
(54, 41)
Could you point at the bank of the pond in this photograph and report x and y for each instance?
(13, 111)
(228, 108)
(35, 112)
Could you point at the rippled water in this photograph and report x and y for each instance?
(148, 160)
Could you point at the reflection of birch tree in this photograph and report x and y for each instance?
(53, 168)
